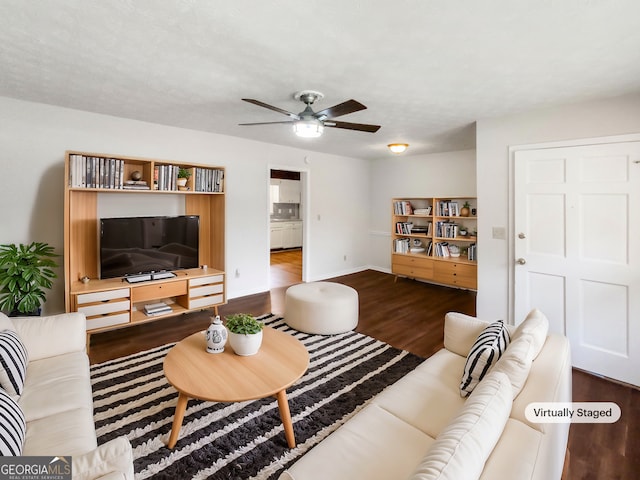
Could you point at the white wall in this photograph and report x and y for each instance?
(34, 138)
(440, 174)
(616, 116)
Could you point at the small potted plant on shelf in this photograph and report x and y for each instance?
(25, 272)
(245, 333)
(183, 176)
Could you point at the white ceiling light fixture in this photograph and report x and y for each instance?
(308, 128)
(398, 147)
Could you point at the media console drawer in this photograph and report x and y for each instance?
(105, 309)
(206, 291)
(143, 293)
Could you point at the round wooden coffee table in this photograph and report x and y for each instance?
(227, 377)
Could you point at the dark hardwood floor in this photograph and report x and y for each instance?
(409, 315)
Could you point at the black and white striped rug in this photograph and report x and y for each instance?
(240, 440)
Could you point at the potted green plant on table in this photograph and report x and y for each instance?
(245, 333)
(25, 272)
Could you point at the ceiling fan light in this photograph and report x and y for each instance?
(398, 147)
(308, 128)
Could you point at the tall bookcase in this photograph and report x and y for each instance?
(434, 239)
(113, 303)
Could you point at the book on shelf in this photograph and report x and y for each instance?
(156, 308)
(472, 253)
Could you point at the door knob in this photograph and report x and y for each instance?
(521, 235)
(521, 261)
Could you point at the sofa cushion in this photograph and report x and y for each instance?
(516, 361)
(114, 457)
(12, 426)
(64, 377)
(13, 362)
(462, 448)
(535, 324)
(516, 454)
(488, 347)
(430, 387)
(373, 444)
(53, 335)
(67, 433)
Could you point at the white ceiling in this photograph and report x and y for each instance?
(426, 69)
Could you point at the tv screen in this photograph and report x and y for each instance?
(134, 245)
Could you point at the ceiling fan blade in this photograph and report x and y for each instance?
(363, 127)
(343, 108)
(271, 107)
(266, 123)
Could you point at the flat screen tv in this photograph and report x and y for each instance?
(136, 245)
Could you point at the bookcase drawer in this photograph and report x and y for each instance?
(414, 267)
(456, 274)
(159, 291)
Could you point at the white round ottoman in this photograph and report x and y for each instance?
(323, 308)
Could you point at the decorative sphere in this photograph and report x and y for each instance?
(136, 175)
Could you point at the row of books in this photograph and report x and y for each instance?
(438, 249)
(208, 180)
(165, 177)
(95, 172)
(447, 208)
(447, 229)
(401, 245)
(402, 207)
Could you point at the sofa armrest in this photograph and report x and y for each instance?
(52, 335)
(111, 460)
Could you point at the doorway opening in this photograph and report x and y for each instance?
(286, 217)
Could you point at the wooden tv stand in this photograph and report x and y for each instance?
(93, 178)
(114, 303)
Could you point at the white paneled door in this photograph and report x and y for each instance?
(577, 250)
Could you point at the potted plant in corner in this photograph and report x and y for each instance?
(25, 272)
(183, 176)
(245, 333)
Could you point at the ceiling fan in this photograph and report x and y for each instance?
(311, 124)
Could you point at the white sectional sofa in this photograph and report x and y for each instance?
(57, 400)
(422, 428)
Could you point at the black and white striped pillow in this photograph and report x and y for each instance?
(13, 426)
(13, 362)
(490, 344)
